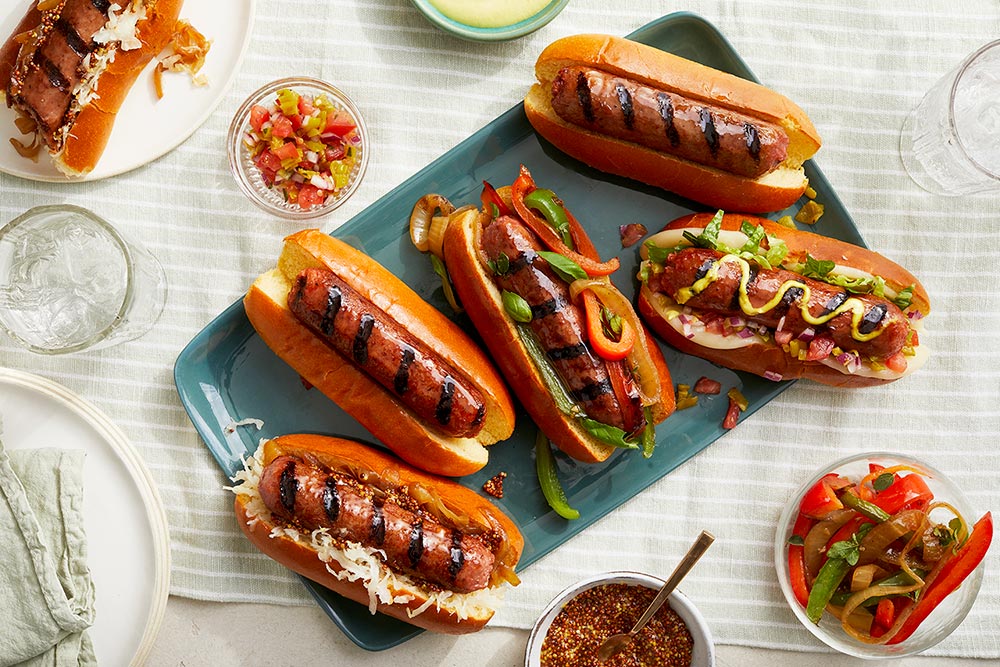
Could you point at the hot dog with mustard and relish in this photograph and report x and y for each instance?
(753, 295)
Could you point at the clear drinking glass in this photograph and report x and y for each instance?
(70, 281)
(950, 143)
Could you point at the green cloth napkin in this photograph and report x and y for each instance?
(46, 593)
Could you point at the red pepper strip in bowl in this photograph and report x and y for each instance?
(954, 572)
(796, 561)
(548, 236)
(910, 491)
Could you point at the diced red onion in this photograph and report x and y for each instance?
(771, 375)
(807, 334)
(356, 140)
(735, 321)
(745, 333)
(687, 331)
(298, 178)
(685, 320)
(311, 156)
(915, 315)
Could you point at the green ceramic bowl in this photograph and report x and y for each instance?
(493, 34)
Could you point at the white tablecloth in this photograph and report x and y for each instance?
(856, 68)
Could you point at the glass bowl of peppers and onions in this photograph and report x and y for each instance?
(298, 148)
(879, 554)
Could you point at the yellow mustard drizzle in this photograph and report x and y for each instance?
(855, 305)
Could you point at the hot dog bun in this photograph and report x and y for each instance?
(767, 358)
(378, 410)
(346, 571)
(78, 143)
(483, 303)
(664, 71)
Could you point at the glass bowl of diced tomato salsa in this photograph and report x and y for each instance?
(879, 555)
(298, 148)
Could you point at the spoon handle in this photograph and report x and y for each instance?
(690, 558)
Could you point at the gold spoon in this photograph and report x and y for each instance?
(616, 643)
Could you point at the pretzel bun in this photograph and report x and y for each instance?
(78, 150)
(768, 358)
(373, 406)
(341, 569)
(773, 191)
(483, 303)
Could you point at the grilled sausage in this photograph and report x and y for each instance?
(556, 321)
(412, 541)
(682, 269)
(367, 336)
(668, 122)
(48, 71)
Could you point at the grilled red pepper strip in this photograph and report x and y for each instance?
(954, 572)
(588, 260)
(606, 347)
(490, 197)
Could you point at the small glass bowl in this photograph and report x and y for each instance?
(490, 34)
(703, 652)
(939, 624)
(248, 176)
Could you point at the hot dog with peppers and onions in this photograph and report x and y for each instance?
(567, 341)
(752, 295)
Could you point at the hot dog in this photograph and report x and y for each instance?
(635, 111)
(423, 549)
(752, 295)
(373, 346)
(69, 66)
(568, 342)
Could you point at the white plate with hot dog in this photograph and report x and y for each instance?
(146, 128)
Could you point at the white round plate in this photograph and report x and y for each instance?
(127, 539)
(147, 128)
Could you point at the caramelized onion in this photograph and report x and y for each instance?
(814, 546)
(422, 215)
(874, 546)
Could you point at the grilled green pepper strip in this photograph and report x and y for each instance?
(824, 586)
(870, 510)
(544, 201)
(648, 434)
(545, 466)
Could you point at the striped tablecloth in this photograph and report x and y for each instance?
(856, 68)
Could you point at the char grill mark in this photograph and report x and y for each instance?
(568, 352)
(753, 140)
(455, 554)
(443, 410)
(402, 380)
(376, 530)
(56, 78)
(101, 5)
(873, 317)
(625, 102)
(707, 123)
(334, 298)
(331, 500)
(593, 391)
(583, 95)
(416, 549)
(360, 348)
(666, 108)
(547, 307)
(78, 44)
(834, 302)
(289, 486)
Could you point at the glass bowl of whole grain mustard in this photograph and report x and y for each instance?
(578, 620)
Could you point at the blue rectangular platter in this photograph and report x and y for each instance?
(226, 373)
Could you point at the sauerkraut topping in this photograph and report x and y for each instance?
(357, 562)
(122, 26)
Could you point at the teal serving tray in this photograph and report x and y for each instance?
(227, 373)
